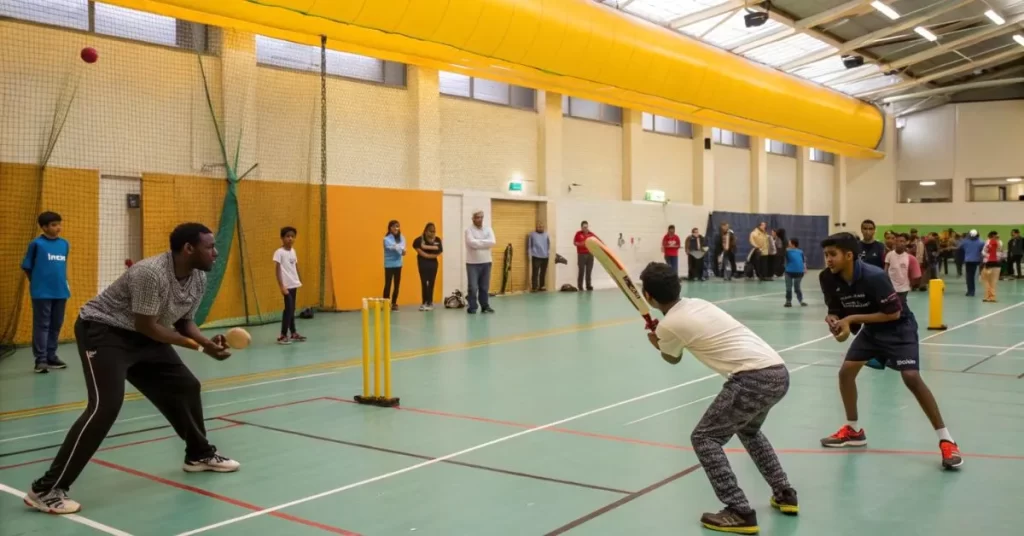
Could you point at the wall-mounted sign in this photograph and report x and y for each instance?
(515, 186)
(654, 195)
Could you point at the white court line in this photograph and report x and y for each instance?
(943, 354)
(692, 402)
(743, 298)
(1010, 349)
(468, 450)
(71, 517)
(268, 382)
(150, 416)
(968, 323)
(964, 346)
(664, 411)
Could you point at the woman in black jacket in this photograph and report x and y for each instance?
(428, 249)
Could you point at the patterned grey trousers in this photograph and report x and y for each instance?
(740, 409)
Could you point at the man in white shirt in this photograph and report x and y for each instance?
(479, 241)
(757, 380)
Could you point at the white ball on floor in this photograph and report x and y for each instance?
(238, 338)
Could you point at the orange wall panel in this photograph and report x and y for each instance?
(357, 220)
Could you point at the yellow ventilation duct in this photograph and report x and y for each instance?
(578, 47)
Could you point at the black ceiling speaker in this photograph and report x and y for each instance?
(852, 62)
(754, 19)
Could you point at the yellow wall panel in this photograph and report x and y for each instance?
(170, 200)
(512, 222)
(19, 194)
(264, 208)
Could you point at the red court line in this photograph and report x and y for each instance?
(222, 498)
(273, 406)
(658, 444)
(115, 447)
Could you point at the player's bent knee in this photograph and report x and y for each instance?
(912, 378)
(850, 369)
(190, 385)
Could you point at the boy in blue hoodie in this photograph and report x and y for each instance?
(46, 265)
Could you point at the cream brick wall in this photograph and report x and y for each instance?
(663, 163)
(781, 184)
(484, 145)
(592, 157)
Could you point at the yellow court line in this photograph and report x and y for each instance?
(329, 365)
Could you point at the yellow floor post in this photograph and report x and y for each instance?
(366, 348)
(387, 349)
(376, 348)
(936, 287)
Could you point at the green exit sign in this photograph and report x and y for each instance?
(515, 186)
(654, 195)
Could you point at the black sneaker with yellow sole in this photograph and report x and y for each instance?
(731, 521)
(786, 502)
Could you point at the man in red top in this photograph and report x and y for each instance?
(584, 260)
(670, 247)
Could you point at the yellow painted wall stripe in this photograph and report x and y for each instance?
(578, 47)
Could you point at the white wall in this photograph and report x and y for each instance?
(484, 145)
(820, 180)
(641, 224)
(871, 184)
(592, 157)
(982, 140)
(120, 228)
(781, 184)
(663, 162)
(732, 178)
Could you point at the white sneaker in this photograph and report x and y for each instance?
(52, 502)
(429, 308)
(215, 463)
(423, 308)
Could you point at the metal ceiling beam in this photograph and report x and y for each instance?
(993, 75)
(706, 14)
(939, 9)
(954, 89)
(986, 33)
(1000, 57)
(925, 104)
(717, 24)
(824, 17)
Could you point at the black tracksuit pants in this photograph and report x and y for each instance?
(109, 357)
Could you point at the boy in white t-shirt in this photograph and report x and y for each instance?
(757, 380)
(287, 267)
(903, 269)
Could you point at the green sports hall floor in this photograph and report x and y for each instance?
(552, 416)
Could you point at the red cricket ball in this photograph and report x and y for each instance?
(89, 55)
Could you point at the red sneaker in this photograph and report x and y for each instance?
(298, 338)
(951, 458)
(846, 437)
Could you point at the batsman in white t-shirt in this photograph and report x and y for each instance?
(757, 380)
